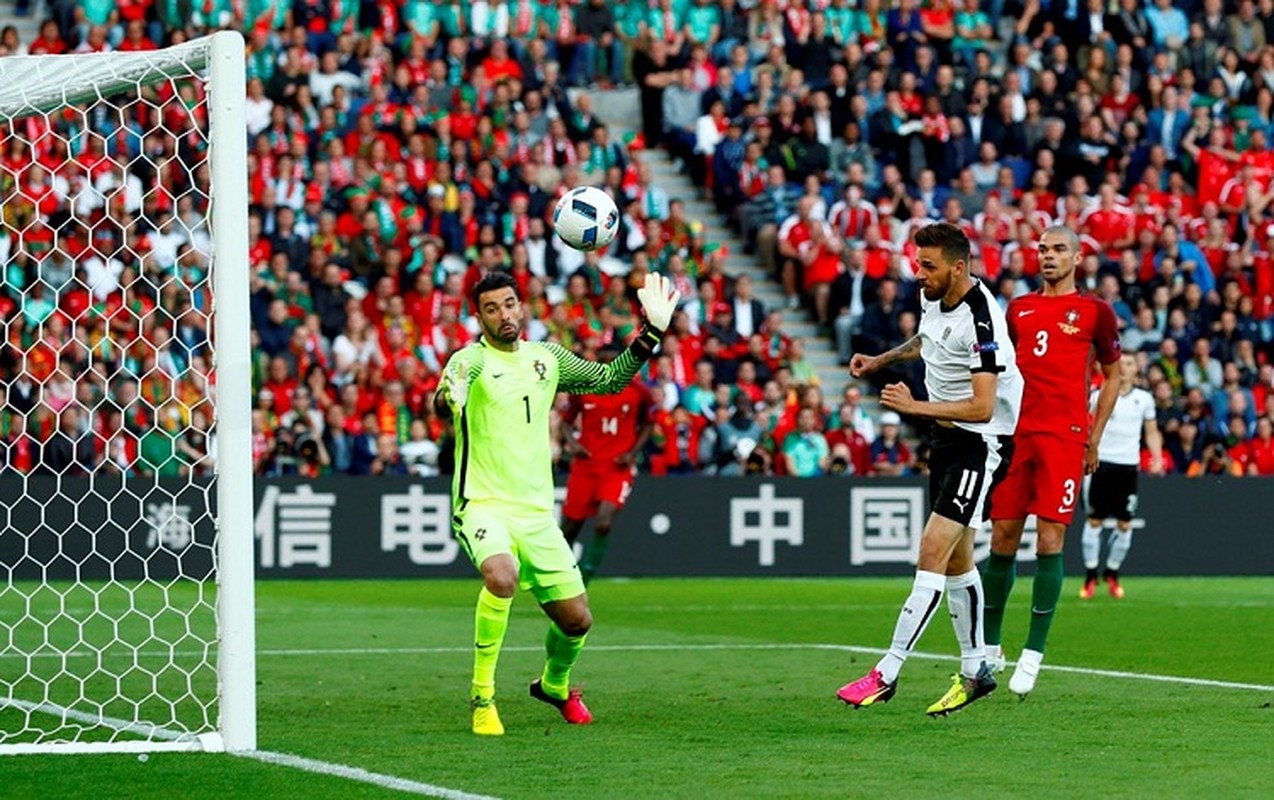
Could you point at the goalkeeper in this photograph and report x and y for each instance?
(499, 392)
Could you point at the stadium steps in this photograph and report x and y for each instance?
(621, 111)
(28, 27)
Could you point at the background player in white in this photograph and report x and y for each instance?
(1112, 489)
(972, 377)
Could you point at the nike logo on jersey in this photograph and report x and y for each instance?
(589, 406)
(497, 374)
(1026, 312)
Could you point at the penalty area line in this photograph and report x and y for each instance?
(361, 775)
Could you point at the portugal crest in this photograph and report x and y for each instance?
(1070, 326)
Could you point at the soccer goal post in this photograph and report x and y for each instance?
(126, 498)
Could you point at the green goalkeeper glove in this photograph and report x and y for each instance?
(658, 300)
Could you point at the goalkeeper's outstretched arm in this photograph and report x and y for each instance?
(577, 376)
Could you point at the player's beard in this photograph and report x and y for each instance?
(935, 293)
(504, 334)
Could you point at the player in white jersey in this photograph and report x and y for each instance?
(1111, 491)
(975, 394)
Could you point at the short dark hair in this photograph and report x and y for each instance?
(490, 282)
(1072, 238)
(948, 237)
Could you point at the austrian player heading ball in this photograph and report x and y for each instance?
(975, 389)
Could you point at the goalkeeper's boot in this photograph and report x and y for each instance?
(486, 720)
(1028, 669)
(871, 688)
(1112, 583)
(1089, 588)
(573, 709)
(963, 691)
(995, 658)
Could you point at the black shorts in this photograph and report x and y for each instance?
(1112, 492)
(963, 466)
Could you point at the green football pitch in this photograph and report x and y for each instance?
(725, 688)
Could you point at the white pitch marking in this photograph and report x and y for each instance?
(361, 775)
(844, 648)
(151, 731)
(632, 648)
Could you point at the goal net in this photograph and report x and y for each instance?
(126, 550)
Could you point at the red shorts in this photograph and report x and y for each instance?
(1045, 478)
(593, 483)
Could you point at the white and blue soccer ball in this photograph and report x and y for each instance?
(586, 218)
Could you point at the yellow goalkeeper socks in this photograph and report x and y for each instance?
(563, 651)
(490, 623)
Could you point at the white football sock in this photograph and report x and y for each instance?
(1091, 542)
(965, 600)
(912, 621)
(1119, 546)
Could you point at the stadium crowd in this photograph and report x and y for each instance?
(400, 151)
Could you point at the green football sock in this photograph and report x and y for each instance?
(593, 555)
(1046, 591)
(563, 651)
(997, 582)
(490, 622)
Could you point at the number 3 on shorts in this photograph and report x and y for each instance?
(1068, 495)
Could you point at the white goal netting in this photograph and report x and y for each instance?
(111, 623)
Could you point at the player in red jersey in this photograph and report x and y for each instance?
(613, 430)
(1056, 332)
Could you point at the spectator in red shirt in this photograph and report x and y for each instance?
(1258, 455)
(848, 437)
(1111, 225)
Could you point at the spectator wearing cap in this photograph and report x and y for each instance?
(889, 453)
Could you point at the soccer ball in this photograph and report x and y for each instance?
(586, 218)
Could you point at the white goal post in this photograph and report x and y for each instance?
(126, 578)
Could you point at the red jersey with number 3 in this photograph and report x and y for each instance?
(609, 422)
(1056, 339)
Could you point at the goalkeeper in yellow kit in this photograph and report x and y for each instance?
(499, 392)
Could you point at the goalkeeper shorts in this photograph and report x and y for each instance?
(546, 565)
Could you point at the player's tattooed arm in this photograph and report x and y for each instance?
(863, 365)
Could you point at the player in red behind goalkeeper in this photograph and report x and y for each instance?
(613, 430)
(1056, 332)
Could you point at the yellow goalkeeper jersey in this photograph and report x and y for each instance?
(503, 444)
